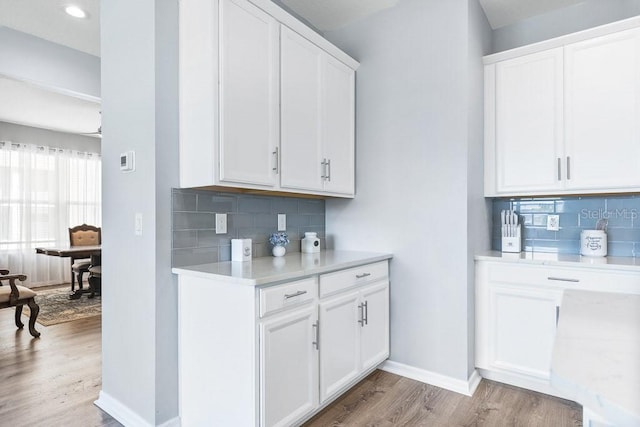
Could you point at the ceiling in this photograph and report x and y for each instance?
(46, 19)
(501, 13)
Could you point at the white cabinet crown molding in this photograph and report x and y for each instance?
(614, 27)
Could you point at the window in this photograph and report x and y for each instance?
(43, 192)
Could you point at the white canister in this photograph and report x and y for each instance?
(241, 250)
(593, 243)
(310, 244)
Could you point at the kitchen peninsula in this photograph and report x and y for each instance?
(272, 341)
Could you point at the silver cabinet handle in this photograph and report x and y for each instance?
(568, 167)
(563, 279)
(316, 328)
(329, 170)
(297, 294)
(277, 159)
(360, 276)
(361, 314)
(557, 314)
(323, 163)
(366, 313)
(559, 169)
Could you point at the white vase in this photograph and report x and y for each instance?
(278, 250)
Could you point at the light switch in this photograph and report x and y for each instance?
(138, 224)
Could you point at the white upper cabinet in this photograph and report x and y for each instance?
(528, 122)
(317, 118)
(248, 94)
(566, 119)
(602, 115)
(301, 122)
(339, 127)
(265, 102)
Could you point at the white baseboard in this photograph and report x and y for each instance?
(459, 386)
(124, 415)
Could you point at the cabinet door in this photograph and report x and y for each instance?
(301, 155)
(603, 112)
(248, 94)
(522, 328)
(528, 123)
(288, 367)
(375, 329)
(339, 343)
(338, 120)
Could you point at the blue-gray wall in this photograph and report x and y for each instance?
(140, 112)
(56, 67)
(576, 214)
(415, 114)
(248, 216)
(581, 16)
(30, 135)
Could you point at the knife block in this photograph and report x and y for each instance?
(513, 244)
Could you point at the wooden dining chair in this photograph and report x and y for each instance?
(82, 235)
(17, 296)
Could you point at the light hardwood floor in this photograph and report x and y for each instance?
(383, 399)
(53, 381)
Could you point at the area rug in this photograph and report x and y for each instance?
(56, 307)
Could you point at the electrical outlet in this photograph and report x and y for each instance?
(282, 222)
(553, 222)
(221, 223)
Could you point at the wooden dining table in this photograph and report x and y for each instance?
(75, 252)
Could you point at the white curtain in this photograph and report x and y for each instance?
(43, 192)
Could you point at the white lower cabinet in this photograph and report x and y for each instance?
(288, 366)
(522, 324)
(354, 336)
(274, 355)
(518, 306)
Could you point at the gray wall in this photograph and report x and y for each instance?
(28, 135)
(139, 109)
(35, 60)
(413, 153)
(478, 208)
(587, 14)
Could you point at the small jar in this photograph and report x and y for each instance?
(310, 244)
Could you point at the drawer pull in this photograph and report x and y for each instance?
(316, 327)
(366, 313)
(562, 279)
(360, 276)
(297, 294)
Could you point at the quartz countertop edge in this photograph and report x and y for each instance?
(265, 270)
(596, 353)
(566, 260)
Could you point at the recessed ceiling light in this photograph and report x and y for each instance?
(75, 11)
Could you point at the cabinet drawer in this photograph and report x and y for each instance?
(331, 283)
(278, 297)
(604, 280)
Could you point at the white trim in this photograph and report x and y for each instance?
(122, 413)
(467, 387)
(173, 422)
(590, 33)
(285, 18)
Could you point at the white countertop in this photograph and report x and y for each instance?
(261, 271)
(596, 355)
(542, 258)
